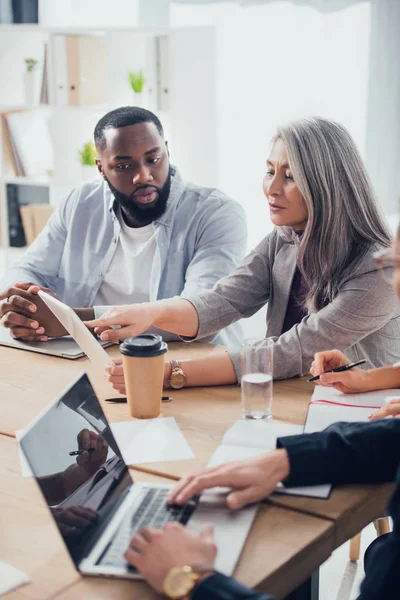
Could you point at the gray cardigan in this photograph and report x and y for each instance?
(363, 320)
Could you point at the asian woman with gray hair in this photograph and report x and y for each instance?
(315, 269)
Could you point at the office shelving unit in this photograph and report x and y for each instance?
(179, 65)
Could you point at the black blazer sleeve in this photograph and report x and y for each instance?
(382, 569)
(221, 587)
(345, 453)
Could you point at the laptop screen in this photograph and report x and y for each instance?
(78, 466)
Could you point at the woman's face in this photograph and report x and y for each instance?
(287, 206)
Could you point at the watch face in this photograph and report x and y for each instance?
(179, 582)
(178, 379)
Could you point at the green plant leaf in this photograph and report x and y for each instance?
(87, 154)
(30, 64)
(137, 81)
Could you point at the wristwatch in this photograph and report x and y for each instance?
(180, 581)
(177, 378)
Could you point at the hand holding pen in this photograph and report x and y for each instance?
(342, 368)
(92, 451)
(334, 369)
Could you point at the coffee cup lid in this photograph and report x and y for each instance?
(146, 345)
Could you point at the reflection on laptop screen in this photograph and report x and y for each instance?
(78, 466)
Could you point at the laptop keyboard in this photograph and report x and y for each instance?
(152, 511)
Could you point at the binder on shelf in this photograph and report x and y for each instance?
(15, 228)
(78, 79)
(44, 89)
(34, 217)
(60, 70)
(30, 141)
(25, 11)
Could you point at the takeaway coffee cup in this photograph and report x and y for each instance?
(143, 362)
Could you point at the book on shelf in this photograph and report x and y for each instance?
(34, 217)
(19, 11)
(28, 151)
(15, 228)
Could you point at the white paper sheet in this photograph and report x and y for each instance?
(247, 439)
(322, 415)
(151, 440)
(371, 399)
(259, 434)
(11, 578)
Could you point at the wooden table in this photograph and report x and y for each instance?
(291, 535)
(280, 539)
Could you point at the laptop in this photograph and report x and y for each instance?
(64, 347)
(98, 479)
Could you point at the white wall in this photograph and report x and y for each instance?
(280, 61)
(89, 13)
(192, 104)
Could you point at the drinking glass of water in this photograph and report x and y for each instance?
(256, 359)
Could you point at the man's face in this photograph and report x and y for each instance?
(135, 164)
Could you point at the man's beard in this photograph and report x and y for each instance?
(140, 213)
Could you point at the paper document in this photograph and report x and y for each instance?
(151, 440)
(11, 578)
(247, 439)
(321, 415)
(372, 399)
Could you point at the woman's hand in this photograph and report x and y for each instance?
(392, 409)
(347, 382)
(252, 480)
(154, 553)
(132, 320)
(326, 361)
(115, 374)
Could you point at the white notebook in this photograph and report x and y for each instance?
(320, 415)
(247, 439)
(370, 399)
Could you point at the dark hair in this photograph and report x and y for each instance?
(122, 117)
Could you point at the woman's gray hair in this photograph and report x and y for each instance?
(344, 218)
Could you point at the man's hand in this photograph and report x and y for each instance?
(27, 316)
(73, 521)
(154, 553)
(132, 319)
(251, 480)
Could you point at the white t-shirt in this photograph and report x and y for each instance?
(127, 280)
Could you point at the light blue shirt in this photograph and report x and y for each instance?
(200, 238)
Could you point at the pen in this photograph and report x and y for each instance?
(78, 452)
(342, 368)
(163, 399)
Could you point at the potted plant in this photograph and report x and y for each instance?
(87, 158)
(30, 81)
(137, 81)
